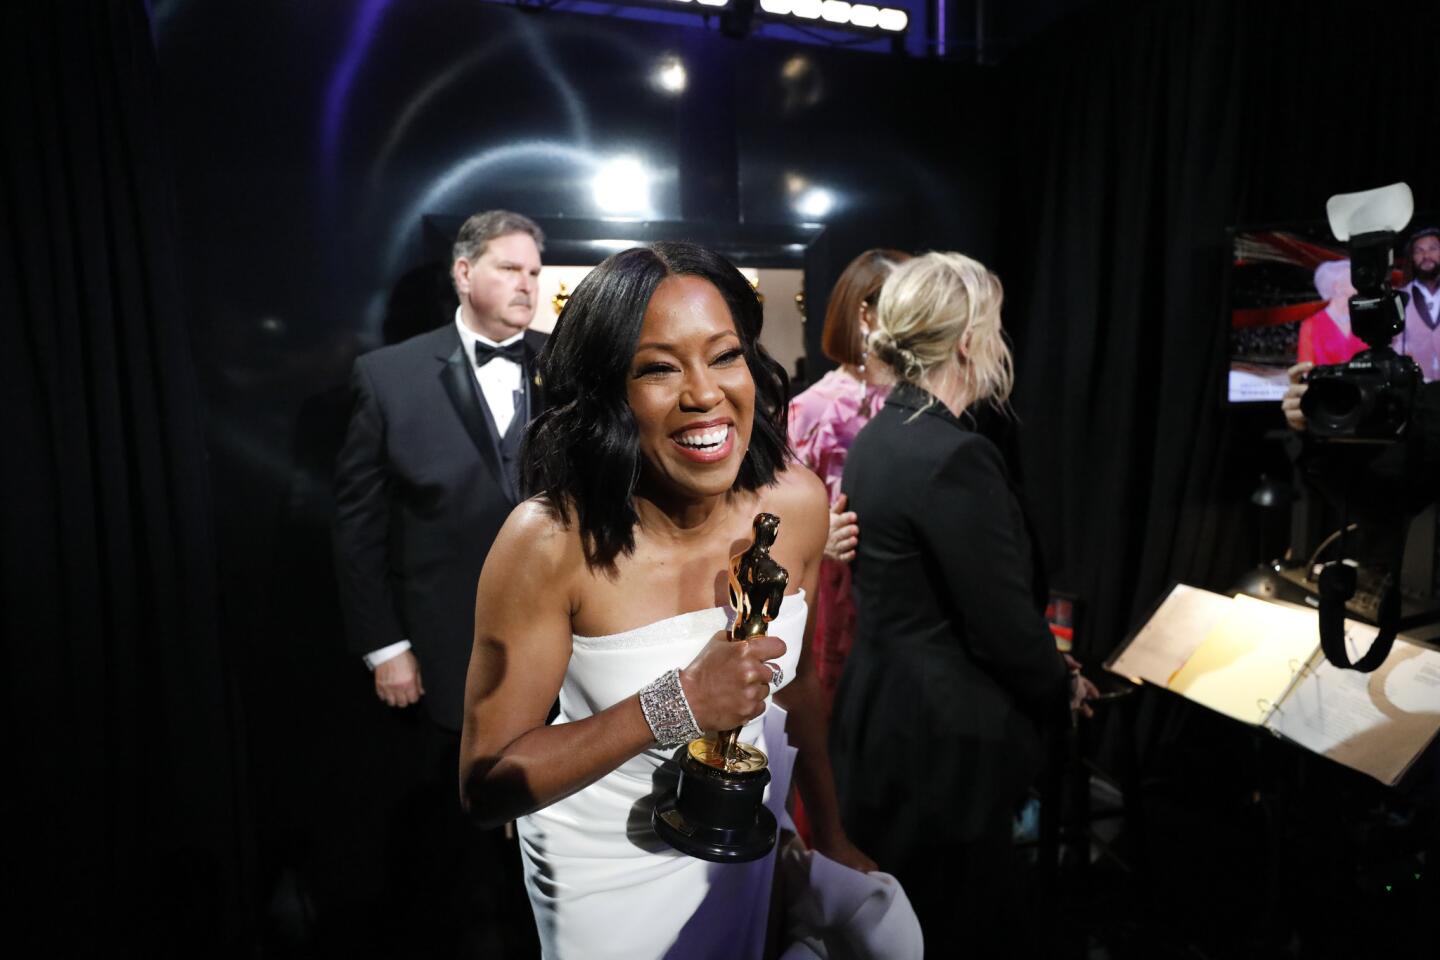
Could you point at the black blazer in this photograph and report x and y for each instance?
(421, 492)
(935, 734)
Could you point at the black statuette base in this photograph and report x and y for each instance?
(714, 815)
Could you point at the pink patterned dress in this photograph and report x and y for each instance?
(823, 423)
(1322, 341)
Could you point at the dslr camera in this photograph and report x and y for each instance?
(1369, 398)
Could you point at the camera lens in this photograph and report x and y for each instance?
(1333, 405)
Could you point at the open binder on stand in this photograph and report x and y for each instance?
(1260, 662)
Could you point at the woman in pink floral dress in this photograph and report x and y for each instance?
(823, 422)
(1325, 336)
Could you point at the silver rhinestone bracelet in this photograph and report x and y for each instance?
(667, 711)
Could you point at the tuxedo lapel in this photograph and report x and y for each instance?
(534, 389)
(465, 396)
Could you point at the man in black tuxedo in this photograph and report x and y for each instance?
(428, 473)
(429, 469)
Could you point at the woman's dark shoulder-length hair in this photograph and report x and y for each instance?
(583, 452)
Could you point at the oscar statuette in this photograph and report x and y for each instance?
(716, 812)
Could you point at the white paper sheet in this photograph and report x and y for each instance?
(1249, 660)
(1178, 626)
(1376, 723)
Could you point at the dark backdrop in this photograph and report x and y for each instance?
(125, 806)
(1143, 130)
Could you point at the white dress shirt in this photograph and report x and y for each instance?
(500, 382)
(1420, 340)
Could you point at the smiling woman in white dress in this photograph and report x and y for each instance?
(663, 437)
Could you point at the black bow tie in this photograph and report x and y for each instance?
(514, 352)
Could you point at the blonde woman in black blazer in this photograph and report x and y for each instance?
(937, 721)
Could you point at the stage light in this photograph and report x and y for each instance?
(845, 14)
(623, 186)
(893, 20)
(864, 15)
(796, 67)
(815, 202)
(669, 75)
(841, 13)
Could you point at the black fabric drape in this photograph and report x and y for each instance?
(1143, 130)
(121, 810)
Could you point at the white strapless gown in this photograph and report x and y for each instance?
(601, 882)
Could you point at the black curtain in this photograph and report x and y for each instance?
(1142, 131)
(122, 809)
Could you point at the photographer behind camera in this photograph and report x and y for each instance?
(1403, 477)
(1371, 426)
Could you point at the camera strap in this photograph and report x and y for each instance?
(1337, 585)
(1338, 582)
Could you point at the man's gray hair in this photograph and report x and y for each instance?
(477, 232)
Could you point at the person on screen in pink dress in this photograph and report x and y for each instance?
(1325, 336)
(823, 422)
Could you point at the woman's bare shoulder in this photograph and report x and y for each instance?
(538, 539)
(797, 488)
(800, 497)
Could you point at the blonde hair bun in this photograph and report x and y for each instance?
(883, 345)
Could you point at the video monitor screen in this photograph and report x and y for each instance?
(1289, 301)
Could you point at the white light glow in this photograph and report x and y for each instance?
(713, 3)
(623, 186)
(815, 202)
(864, 15)
(669, 75)
(867, 16)
(893, 20)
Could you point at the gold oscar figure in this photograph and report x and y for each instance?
(716, 812)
